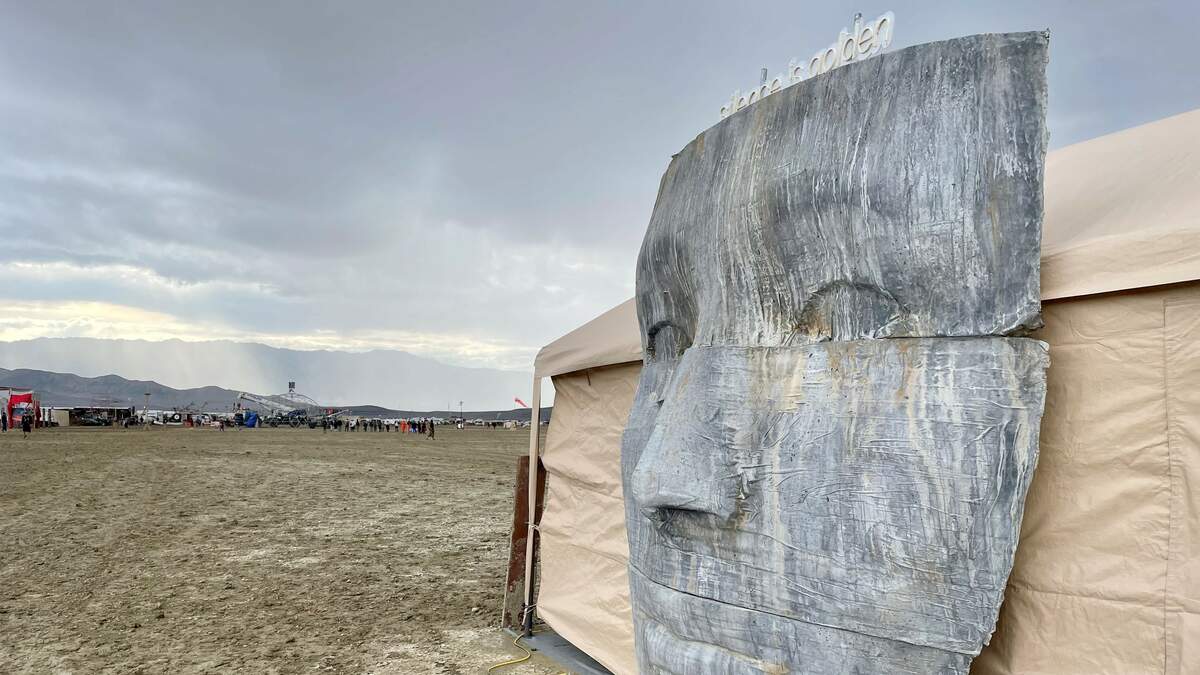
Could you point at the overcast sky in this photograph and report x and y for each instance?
(465, 181)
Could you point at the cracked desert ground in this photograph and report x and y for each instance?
(174, 550)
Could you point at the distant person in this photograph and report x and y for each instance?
(26, 425)
(431, 428)
(4, 421)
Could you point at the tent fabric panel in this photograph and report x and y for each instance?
(584, 589)
(1104, 577)
(582, 518)
(605, 396)
(1050, 633)
(1095, 521)
(586, 612)
(1183, 436)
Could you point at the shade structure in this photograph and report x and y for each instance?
(1123, 210)
(611, 338)
(1107, 572)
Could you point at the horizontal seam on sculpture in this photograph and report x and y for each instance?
(1007, 337)
(708, 645)
(770, 572)
(797, 619)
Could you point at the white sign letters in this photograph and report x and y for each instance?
(861, 42)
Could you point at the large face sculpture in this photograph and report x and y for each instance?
(829, 450)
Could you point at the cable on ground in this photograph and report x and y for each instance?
(513, 662)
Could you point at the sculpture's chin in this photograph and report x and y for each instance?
(681, 633)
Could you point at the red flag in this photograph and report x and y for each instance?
(521, 403)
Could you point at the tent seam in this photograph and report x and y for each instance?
(1029, 588)
(623, 562)
(588, 486)
(1170, 486)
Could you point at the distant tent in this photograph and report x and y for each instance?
(22, 404)
(251, 419)
(1107, 573)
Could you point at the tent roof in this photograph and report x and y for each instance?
(1122, 211)
(611, 338)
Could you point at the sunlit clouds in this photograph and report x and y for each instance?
(25, 320)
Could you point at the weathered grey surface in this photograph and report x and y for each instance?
(802, 495)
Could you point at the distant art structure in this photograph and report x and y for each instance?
(827, 458)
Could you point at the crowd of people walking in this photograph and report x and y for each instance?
(423, 426)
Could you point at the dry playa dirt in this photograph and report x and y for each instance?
(255, 551)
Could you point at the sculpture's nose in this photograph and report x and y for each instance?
(681, 471)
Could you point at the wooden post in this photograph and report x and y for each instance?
(515, 580)
(535, 498)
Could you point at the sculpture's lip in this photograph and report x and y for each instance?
(668, 642)
(668, 626)
(733, 556)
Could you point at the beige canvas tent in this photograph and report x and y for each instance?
(1107, 574)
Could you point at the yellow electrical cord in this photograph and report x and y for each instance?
(523, 659)
(516, 643)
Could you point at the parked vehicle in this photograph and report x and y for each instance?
(92, 420)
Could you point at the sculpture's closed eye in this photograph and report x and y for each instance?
(850, 311)
(667, 340)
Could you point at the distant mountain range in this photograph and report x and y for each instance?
(65, 389)
(392, 379)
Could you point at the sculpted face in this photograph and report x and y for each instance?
(828, 453)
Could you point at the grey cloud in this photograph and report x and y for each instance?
(477, 169)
